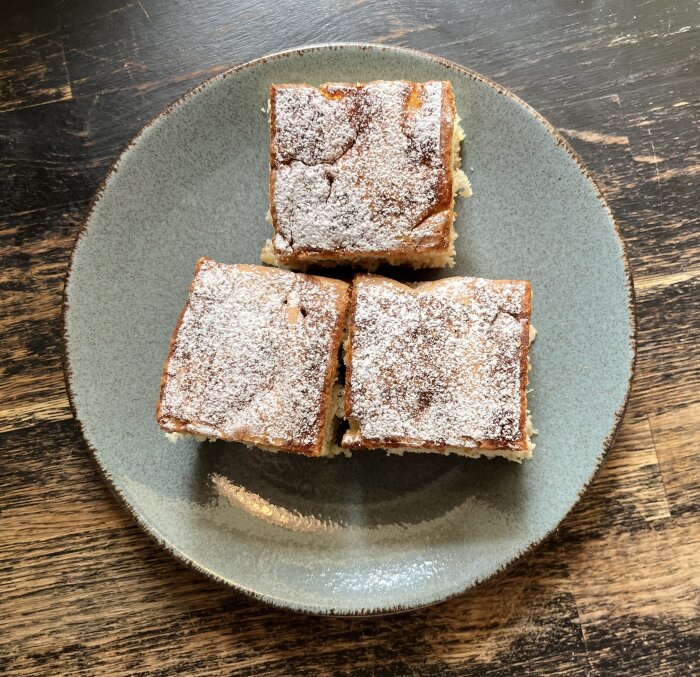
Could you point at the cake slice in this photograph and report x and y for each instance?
(439, 366)
(254, 359)
(364, 174)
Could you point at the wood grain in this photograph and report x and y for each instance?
(31, 293)
(677, 440)
(33, 68)
(614, 591)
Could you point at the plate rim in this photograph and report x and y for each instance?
(171, 548)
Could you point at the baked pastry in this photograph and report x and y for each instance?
(439, 366)
(364, 174)
(254, 359)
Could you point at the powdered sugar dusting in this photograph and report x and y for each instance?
(253, 355)
(310, 128)
(359, 168)
(423, 126)
(439, 364)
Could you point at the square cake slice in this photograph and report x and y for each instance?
(364, 174)
(254, 358)
(439, 366)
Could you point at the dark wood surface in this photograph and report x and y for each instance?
(615, 591)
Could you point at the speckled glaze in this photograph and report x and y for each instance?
(372, 533)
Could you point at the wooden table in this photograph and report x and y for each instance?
(615, 591)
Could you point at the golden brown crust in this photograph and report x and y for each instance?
(349, 229)
(525, 361)
(173, 340)
(347, 346)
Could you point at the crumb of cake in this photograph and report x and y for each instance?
(267, 255)
(460, 182)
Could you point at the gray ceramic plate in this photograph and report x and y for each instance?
(371, 533)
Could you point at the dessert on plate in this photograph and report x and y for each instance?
(364, 173)
(439, 366)
(254, 359)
